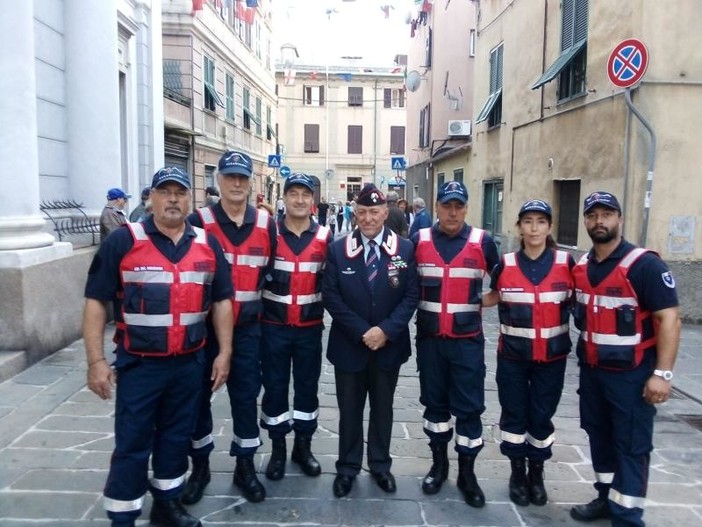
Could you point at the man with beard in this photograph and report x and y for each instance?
(627, 313)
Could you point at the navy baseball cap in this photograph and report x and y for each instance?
(235, 163)
(174, 174)
(452, 190)
(116, 193)
(601, 198)
(370, 196)
(299, 178)
(536, 205)
(145, 192)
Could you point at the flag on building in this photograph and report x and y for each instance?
(289, 78)
(313, 75)
(252, 3)
(247, 14)
(345, 76)
(396, 70)
(197, 6)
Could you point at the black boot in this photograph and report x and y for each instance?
(276, 465)
(597, 509)
(170, 513)
(468, 483)
(245, 478)
(302, 455)
(537, 491)
(431, 484)
(518, 489)
(198, 480)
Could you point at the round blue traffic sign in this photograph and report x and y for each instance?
(627, 63)
(285, 171)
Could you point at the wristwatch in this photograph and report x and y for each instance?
(666, 374)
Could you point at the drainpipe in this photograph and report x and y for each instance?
(375, 130)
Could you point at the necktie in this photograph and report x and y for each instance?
(372, 262)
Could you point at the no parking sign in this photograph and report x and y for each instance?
(627, 63)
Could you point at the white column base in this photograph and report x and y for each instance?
(23, 232)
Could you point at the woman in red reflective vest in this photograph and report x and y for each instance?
(533, 289)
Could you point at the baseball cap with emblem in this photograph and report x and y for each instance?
(601, 198)
(116, 193)
(167, 174)
(235, 163)
(452, 190)
(536, 205)
(298, 178)
(371, 196)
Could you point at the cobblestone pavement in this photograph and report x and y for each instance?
(56, 438)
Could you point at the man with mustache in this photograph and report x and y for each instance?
(627, 313)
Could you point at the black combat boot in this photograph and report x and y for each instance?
(302, 455)
(518, 486)
(468, 483)
(431, 484)
(198, 480)
(597, 509)
(537, 491)
(170, 513)
(276, 465)
(245, 478)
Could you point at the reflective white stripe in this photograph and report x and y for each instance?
(613, 302)
(435, 307)
(188, 319)
(554, 296)
(527, 333)
(148, 277)
(247, 296)
(253, 261)
(470, 443)
(200, 235)
(168, 484)
(631, 257)
(281, 265)
(311, 267)
(207, 216)
(276, 420)
(431, 272)
(605, 477)
(199, 443)
(323, 232)
(510, 259)
(465, 272)
(261, 218)
(583, 298)
(561, 257)
(305, 416)
(611, 340)
(286, 299)
(138, 231)
(547, 333)
(196, 277)
(247, 443)
(516, 439)
(583, 259)
(309, 299)
(540, 443)
(437, 427)
(229, 257)
(425, 234)
(152, 321)
(629, 502)
(122, 505)
(511, 296)
(476, 235)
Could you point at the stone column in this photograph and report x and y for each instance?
(92, 99)
(21, 223)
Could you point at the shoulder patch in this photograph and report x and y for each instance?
(668, 279)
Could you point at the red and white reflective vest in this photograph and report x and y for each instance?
(164, 305)
(450, 293)
(534, 318)
(614, 330)
(247, 260)
(293, 296)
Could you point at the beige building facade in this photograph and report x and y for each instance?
(219, 89)
(549, 123)
(342, 125)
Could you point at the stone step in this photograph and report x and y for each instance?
(11, 363)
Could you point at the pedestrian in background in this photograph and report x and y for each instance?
(627, 313)
(332, 219)
(409, 215)
(340, 213)
(370, 290)
(248, 237)
(113, 215)
(452, 259)
(162, 275)
(292, 330)
(323, 211)
(396, 218)
(140, 211)
(534, 289)
(211, 196)
(422, 220)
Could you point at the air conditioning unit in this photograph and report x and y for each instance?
(458, 128)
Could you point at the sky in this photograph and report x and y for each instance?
(356, 28)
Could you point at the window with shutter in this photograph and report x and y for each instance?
(311, 138)
(355, 96)
(387, 98)
(355, 139)
(492, 108)
(397, 140)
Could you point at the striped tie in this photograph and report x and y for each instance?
(371, 262)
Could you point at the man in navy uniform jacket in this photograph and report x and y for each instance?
(371, 290)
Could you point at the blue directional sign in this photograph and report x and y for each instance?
(285, 171)
(398, 163)
(274, 161)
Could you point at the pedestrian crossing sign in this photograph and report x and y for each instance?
(274, 161)
(398, 163)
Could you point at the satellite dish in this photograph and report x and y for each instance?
(413, 80)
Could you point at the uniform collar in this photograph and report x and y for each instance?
(463, 233)
(150, 227)
(221, 216)
(617, 254)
